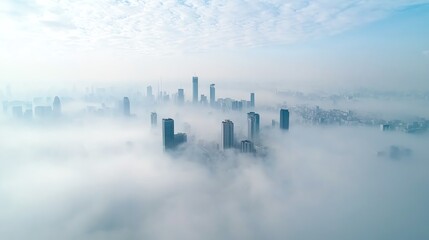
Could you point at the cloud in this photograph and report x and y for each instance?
(193, 25)
(109, 179)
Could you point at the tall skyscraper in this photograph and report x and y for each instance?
(212, 95)
(153, 119)
(252, 125)
(252, 100)
(56, 106)
(168, 133)
(227, 134)
(149, 92)
(247, 146)
(195, 89)
(284, 119)
(126, 106)
(180, 96)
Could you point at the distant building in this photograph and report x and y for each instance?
(180, 96)
(252, 125)
(168, 133)
(43, 111)
(17, 111)
(212, 95)
(126, 106)
(149, 93)
(56, 106)
(247, 146)
(203, 99)
(385, 127)
(284, 119)
(227, 134)
(153, 119)
(252, 100)
(180, 138)
(195, 89)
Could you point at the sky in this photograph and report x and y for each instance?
(295, 44)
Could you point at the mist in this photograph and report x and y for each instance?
(86, 176)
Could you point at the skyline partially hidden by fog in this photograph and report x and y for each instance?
(135, 119)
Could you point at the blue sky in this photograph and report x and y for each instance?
(295, 44)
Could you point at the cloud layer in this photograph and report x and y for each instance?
(192, 25)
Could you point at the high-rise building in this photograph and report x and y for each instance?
(56, 106)
(252, 100)
(195, 89)
(247, 146)
(212, 95)
(153, 119)
(203, 99)
(168, 133)
(149, 92)
(180, 138)
(180, 96)
(126, 106)
(284, 119)
(252, 125)
(227, 134)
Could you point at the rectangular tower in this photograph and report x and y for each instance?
(284, 119)
(195, 89)
(252, 125)
(212, 95)
(227, 134)
(168, 133)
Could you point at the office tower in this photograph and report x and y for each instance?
(252, 100)
(180, 138)
(126, 106)
(195, 89)
(203, 99)
(227, 134)
(180, 96)
(168, 133)
(42, 111)
(252, 125)
(212, 95)
(153, 119)
(56, 106)
(149, 92)
(284, 119)
(247, 146)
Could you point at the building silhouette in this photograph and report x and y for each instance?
(247, 146)
(56, 106)
(227, 134)
(149, 93)
(180, 96)
(252, 100)
(42, 111)
(126, 106)
(252, 126)
(212, 95)
(153, 119)
(168, 133)
(195, 89)
(284, 119)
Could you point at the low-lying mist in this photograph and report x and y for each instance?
(109, 178)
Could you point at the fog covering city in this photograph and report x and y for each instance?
(94, 173)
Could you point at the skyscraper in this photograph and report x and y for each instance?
(153, 119)
(252, 125)
(149, 92)
(227, 134)
(56, 106)
(212, 95)
(195, 89)
(180, 96)
(247, 146)
(252, 100)
(126, 106)
(284, 119)
(168, 133)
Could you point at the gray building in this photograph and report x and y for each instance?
(252, 125)
(247, 146)
(56, 106)
(252, 100)
(212, 95)
(126, 106)
(153, 119)
(284, 119)
(180, 96)
(227, 134)
(195, 89)
(168, 133)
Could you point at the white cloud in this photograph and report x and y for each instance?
(164, 26)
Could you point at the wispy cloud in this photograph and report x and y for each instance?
(189, 25)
